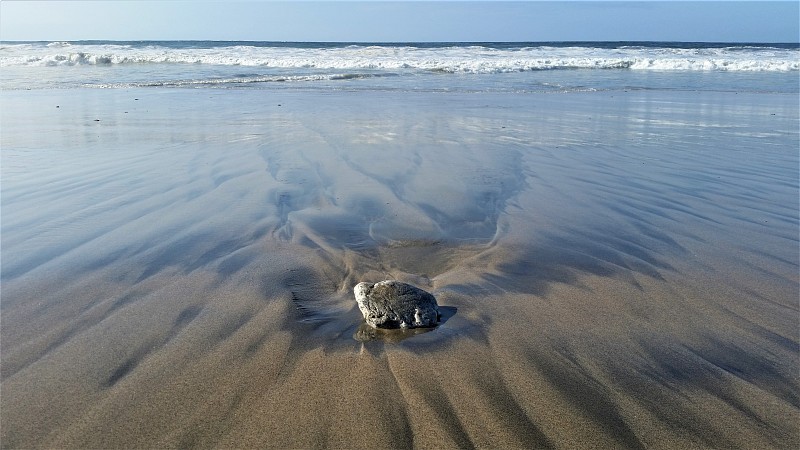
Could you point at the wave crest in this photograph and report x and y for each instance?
(453, 59)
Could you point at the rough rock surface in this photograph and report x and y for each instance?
(393, 304)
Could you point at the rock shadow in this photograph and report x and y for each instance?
(366, 333)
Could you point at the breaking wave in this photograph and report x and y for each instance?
(445, 59)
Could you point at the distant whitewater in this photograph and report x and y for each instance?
(228, 64)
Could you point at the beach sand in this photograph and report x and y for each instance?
(616, 269)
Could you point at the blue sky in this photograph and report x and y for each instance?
(384, 21)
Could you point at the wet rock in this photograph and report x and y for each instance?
(394, 304)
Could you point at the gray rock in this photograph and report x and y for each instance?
(393, 304)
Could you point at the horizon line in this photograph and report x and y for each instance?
(612, 41)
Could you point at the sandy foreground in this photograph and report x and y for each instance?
(615, 269)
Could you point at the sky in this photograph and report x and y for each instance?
(405, 21)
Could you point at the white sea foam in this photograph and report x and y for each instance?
(453, 59)
(231, 81)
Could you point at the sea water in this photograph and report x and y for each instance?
(471, 67)
(612, 227)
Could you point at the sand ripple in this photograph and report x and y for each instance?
(616, 270)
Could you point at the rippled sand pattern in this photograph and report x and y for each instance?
(615, 269)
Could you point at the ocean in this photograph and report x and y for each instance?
(514, 67)
(610, 231)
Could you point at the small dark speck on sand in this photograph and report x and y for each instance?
(60, 107)
(97, 120)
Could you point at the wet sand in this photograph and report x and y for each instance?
(616, 269)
